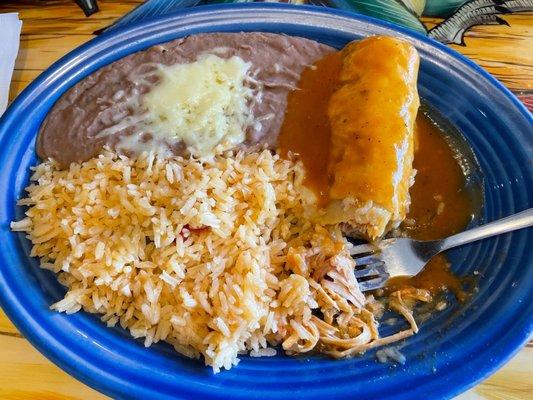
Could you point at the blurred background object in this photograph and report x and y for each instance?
(89, 7)
(10, 27)
(460, 15)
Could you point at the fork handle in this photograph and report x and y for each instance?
(520, 220)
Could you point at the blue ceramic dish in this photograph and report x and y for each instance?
(454, 349)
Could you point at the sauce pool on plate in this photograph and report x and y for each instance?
(306, 130)
(441, 206)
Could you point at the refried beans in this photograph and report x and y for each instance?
(70, 131)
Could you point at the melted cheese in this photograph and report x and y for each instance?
(205, 104)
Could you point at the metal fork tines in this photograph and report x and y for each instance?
(375, 264)
(370, 270)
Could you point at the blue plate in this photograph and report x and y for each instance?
(455, 349)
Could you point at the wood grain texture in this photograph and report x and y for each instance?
(53, 28)
(505, 51)
(26, 374)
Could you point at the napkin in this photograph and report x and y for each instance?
(10, 26)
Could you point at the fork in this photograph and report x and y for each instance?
(376, 263)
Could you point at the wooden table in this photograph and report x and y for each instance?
(52, 28)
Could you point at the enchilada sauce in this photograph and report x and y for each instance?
(440, 205)
(306, 131)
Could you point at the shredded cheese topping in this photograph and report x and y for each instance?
(204, 104)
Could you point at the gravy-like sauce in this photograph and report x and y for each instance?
(435, 277)
(306, 129)
(440, 206)
(440, 203)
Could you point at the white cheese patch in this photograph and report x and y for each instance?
(205, 103)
